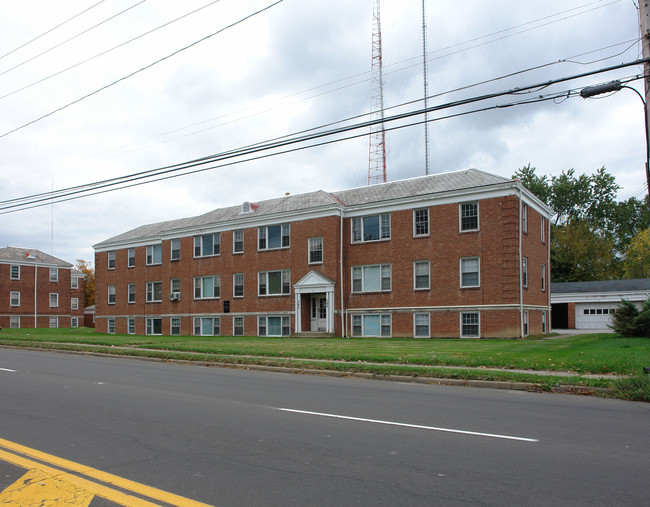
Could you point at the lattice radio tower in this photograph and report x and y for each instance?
(426, 89)
(377, 143)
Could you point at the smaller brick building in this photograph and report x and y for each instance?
(39, 290)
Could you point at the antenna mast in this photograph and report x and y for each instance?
(377, 158)
(426, 89)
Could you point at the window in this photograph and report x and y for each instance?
(175, 287)
(207, 245)
(273, 326)
(543, 322)
(74, 282)
(15, 273)
(273, 236)
(175, 249)
(421, 274)
(421, 325)
(524, 271)
(131, 293)
(111, 294)
(371, 325)
(469, 216)
(525, 322)
(524, 217)
(238, 326)
(131, 258)
(238, 285)
(154, 292)
(111, 259)
(207, 326)
(110, 326)
(14, 322)
(315, 250)
(543, 277)
(54, 274)
(469, 325)
(154, 325)
(421, 222)
(131, 325)
(470, 272)
(375, 278)
(238, 241)
(54, 300)
(54, 322)
(74, 322)
(274, 283)
(371, 228)
(154, 254)
(74, 304)
(206, 287)
(175, 326)
(543, 230)
(14, 299)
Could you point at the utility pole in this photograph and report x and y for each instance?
(644, 14)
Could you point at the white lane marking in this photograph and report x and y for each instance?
(405, 425)
(7, 369)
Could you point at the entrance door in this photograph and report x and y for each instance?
(318, 312)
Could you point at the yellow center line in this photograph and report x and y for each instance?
(98, 489)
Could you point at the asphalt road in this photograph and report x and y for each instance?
(221, 436)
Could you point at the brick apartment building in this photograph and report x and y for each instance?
(39, 290)
(460, 254)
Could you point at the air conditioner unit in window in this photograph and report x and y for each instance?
(175, 296)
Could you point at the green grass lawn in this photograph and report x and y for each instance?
(590, 353)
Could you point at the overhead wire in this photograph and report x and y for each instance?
(162, 173)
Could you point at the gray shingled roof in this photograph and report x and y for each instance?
(424, 185)
(30, 256)
(601, 286)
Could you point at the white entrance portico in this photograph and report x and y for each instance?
(314, 303)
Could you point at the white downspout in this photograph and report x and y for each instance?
(343, 319)
(35, 296)
(521, 278)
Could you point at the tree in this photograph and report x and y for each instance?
(629, 321)
(637, 256)
(89, 276)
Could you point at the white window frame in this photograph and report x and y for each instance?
(358, 226)
(54, 274)
(74, 322)
(175, 286)
(263, 325)
(543, 321)
(263, 283)
(199, 283)
(215, 245)
(477, 324)
(236, 326)
(74, 282)
(54, 299)
(150, 327)
(236, 285)
(14, 322)
(263, 234)
(151, 292)
(237, 241)
(463, 261)
(524, 272)
(175, 249)
(360, 320)
(461, 216)
(54, 322)
(174, 330)
(359, 282)
(526, 323)
(110, 326)
(543, 277)
(421, 315)
(112, 295)
(111, 259)
(524, 217)
(543, 238)
(15, 268)
(14, 298)
(154, 255)
(74, 303)
(130, 258)
(130, 325)
(214, 324)
(417, 222)
(421, 275)
(315, 247)
(131, 290)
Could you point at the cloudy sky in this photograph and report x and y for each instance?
(298, 65)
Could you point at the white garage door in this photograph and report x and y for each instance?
(594, 316)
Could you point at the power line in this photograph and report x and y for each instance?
(51, 29)
(163, 172)
(245, 18)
